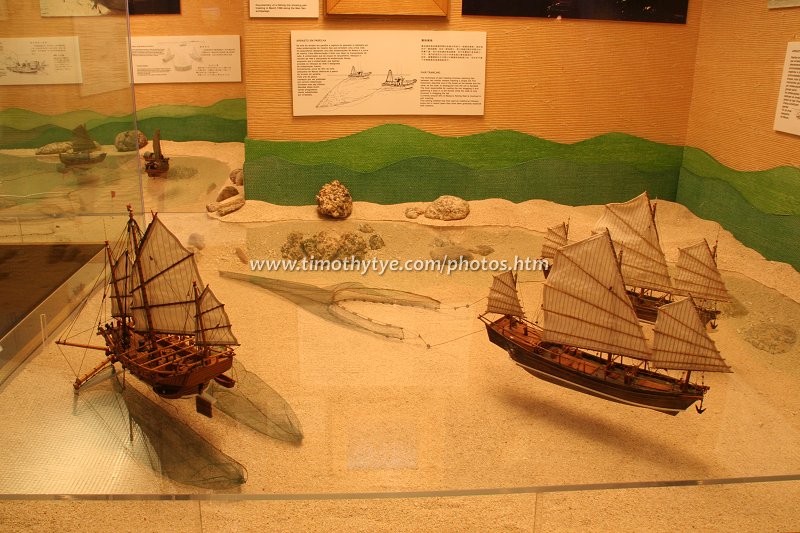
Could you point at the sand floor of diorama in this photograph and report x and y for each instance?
(393, 415)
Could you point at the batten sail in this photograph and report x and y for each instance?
(681, 341)
(214, 326)
(555, 238)
(585, 304)
(633, 229)
(164, 273)
(698, 275)
(503, 296)
(121, 299)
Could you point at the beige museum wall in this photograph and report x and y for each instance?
(104, 44)
(198, 17)
(740, 56)
(564, 80)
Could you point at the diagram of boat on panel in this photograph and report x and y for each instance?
(155, 164)
(591, 340)
(358, 74)
(165, 327)
(84, 150)
(26, 67)
(397, 82)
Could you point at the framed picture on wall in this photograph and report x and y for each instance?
(673, 11)
(154, 7)
(432, 8)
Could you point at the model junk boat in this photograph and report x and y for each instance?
(166, 327)
(591, 340)
(632, 226)
(699, 278)
(155, 164)
(83, 149)
(555, 238)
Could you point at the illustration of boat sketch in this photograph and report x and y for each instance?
(397, 82)
(357, 86)
(358, 73)
(169, 55)
(26, 67)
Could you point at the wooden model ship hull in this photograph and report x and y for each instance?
(168, 329)
(583, 372)
(172, 364)
(155, 164)
(81, 158)
(155, 168)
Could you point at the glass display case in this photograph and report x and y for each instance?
(68, 170)
(372, 335)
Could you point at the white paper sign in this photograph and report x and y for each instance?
(186, 59)
(779, 4)
(284, 8)
(787, 115)
(40, 61)
(388, 72)
(72, 8)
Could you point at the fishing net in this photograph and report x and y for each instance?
(156, 438)
(326, 302)
(255, 404)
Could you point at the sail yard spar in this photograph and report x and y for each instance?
(632, 226)
(555, 238)
(591, 339)
(699, 278)
(166, 327)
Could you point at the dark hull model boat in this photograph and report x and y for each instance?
(165, 328)
(592, 341)
(155, 164)
(84, 150)
(81, 158)
(632, 226)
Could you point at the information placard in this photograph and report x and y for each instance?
(787, 115)
(284, 8)
(388, 72)
(186, 59)
(40, 61)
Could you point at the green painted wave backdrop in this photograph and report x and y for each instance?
(225, 121)
(395, 163)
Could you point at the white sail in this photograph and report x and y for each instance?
(555, 238)
(213, 324)
(122, 280)
(168, 275)
(585, 303)
(698, 275)
(503, 297)
(632, 226)
(681, 341)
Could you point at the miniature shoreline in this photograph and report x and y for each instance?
(678, 227)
